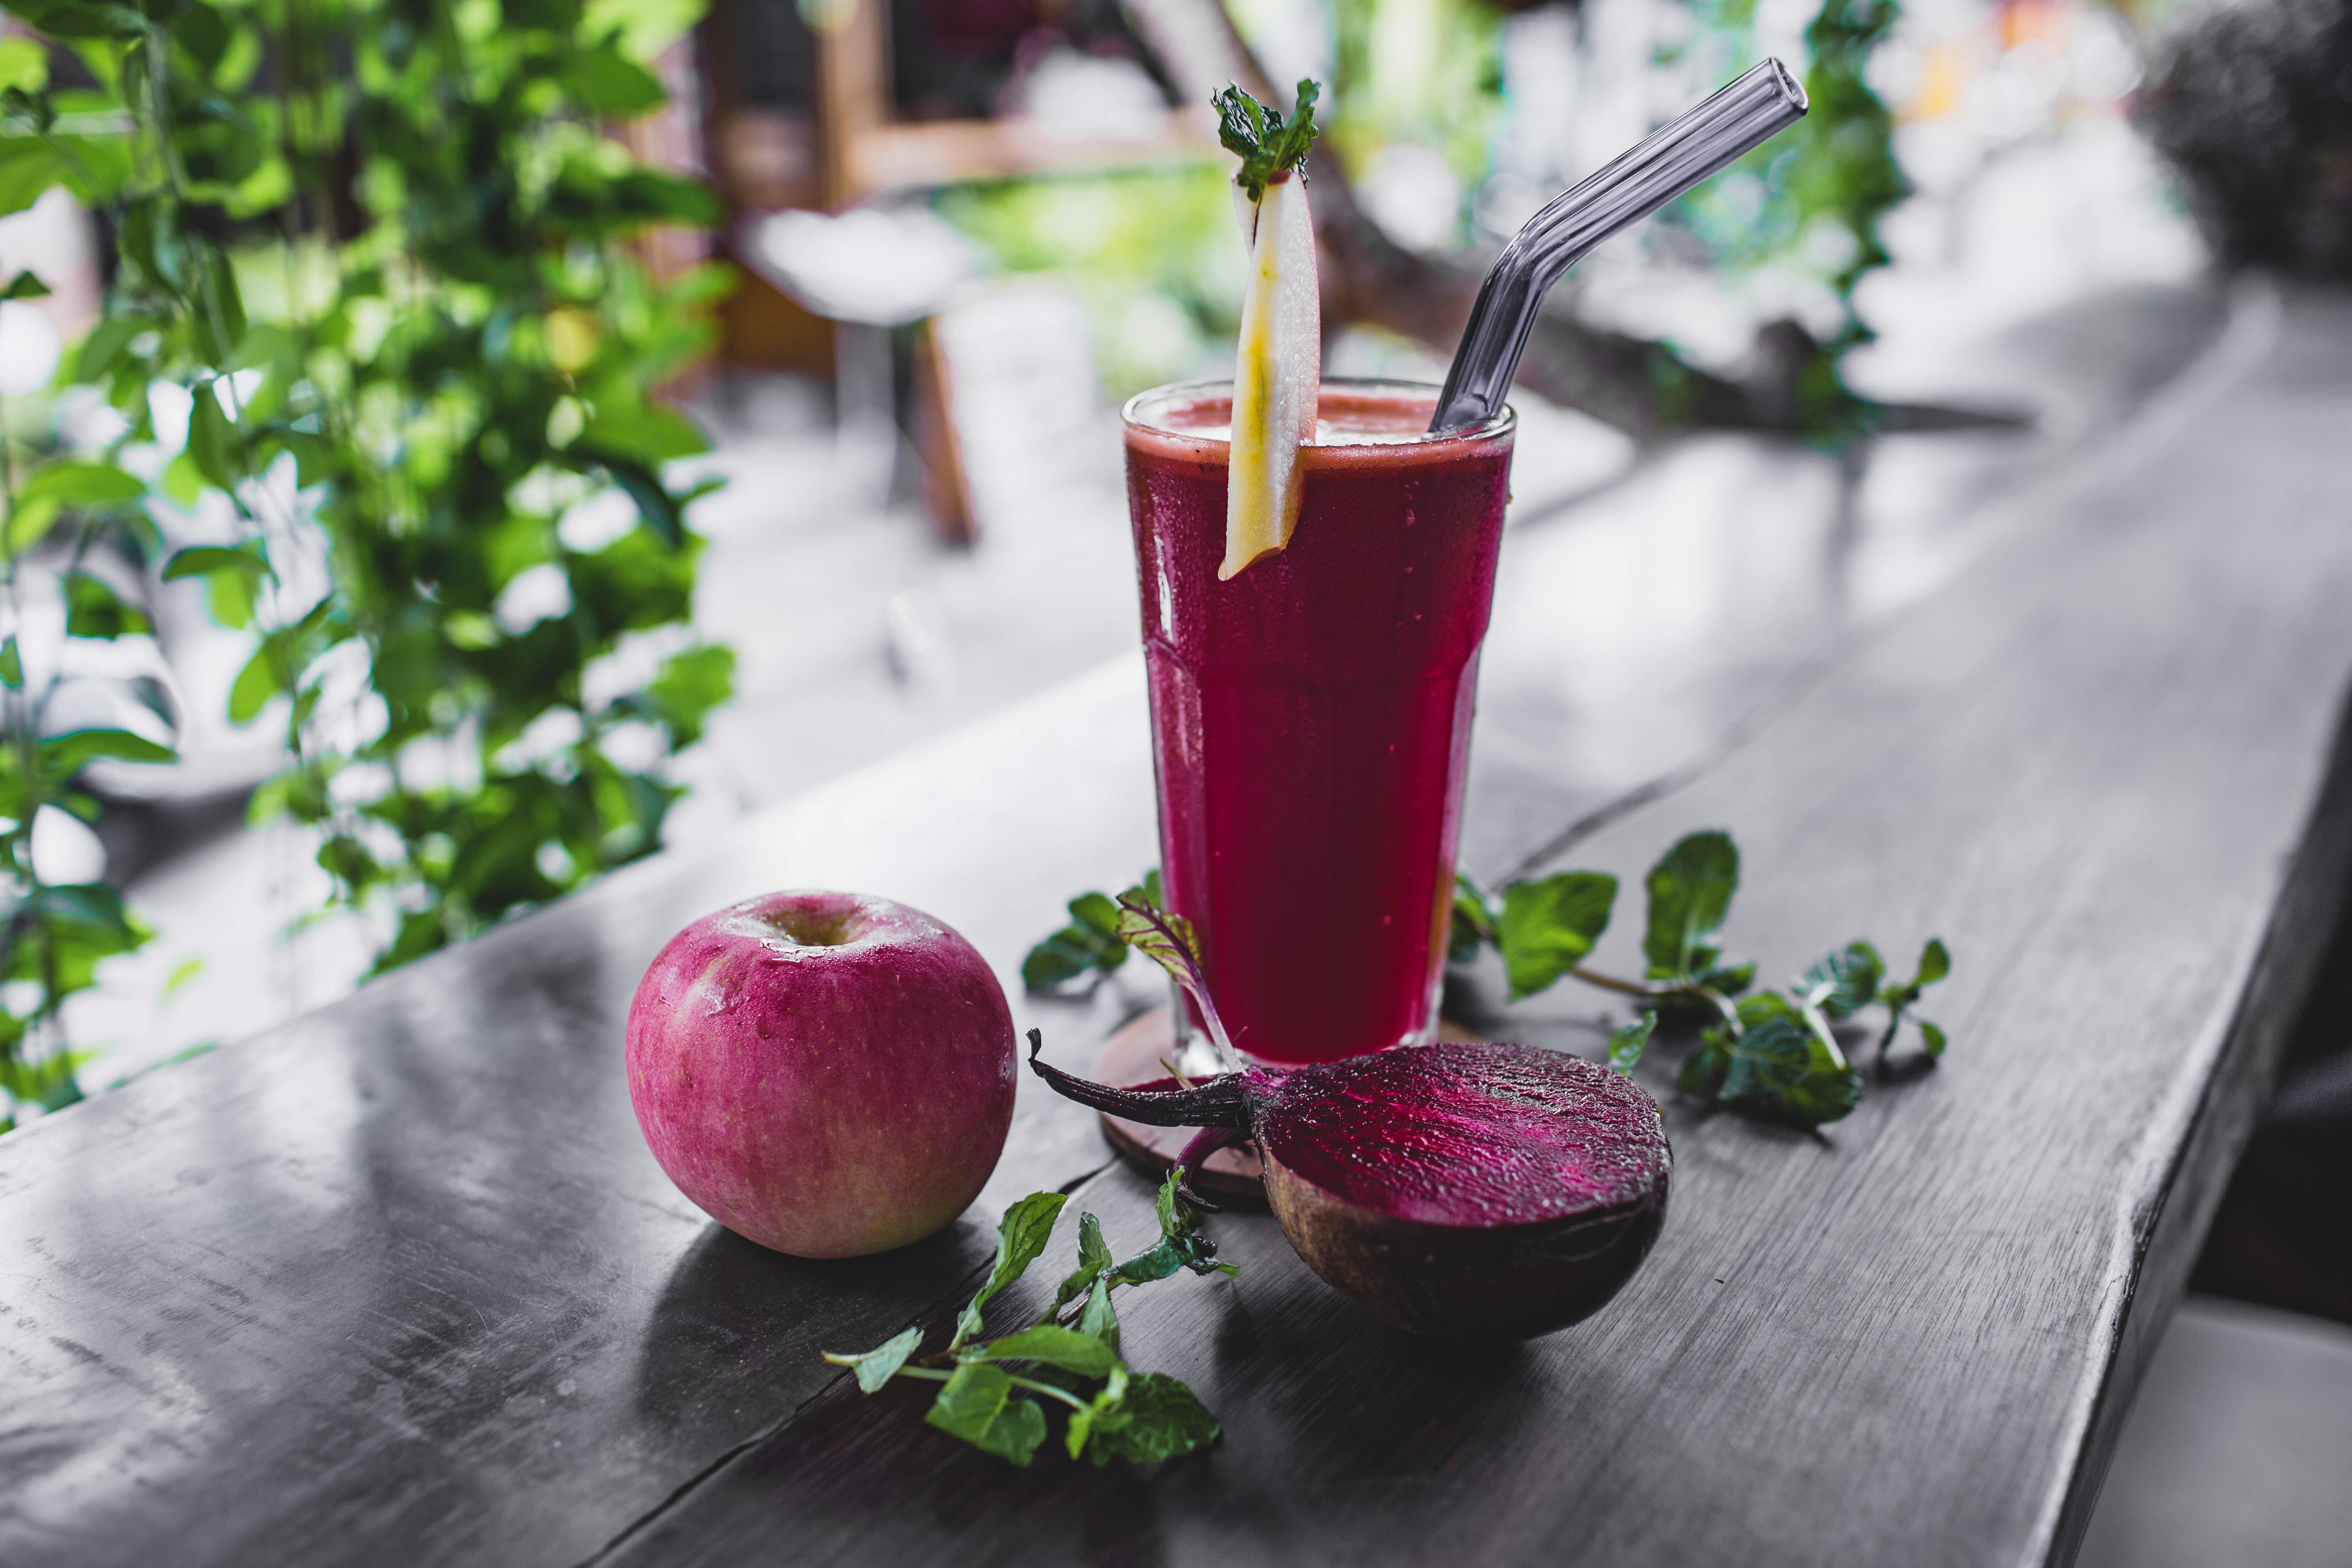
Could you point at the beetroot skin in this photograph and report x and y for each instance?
(826, 1074)
(1464, 1192)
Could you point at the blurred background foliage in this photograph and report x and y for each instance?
(375, 341)
(388, 315)
(1151, 252)
(1419, 115)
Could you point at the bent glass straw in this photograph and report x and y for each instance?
(1668, 162)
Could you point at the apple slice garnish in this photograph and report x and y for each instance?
(1279, 367)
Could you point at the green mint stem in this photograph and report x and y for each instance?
(1648, 992)
(931, 1374)
(1820, 1023)
(1610, 983)
(1063, 1394)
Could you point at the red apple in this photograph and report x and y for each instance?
(826, 1074)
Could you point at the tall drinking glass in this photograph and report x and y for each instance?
(1311, 716)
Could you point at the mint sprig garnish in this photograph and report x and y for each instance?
(993, 1387)
(1256, 133)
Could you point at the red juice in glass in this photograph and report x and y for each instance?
(1311, 716)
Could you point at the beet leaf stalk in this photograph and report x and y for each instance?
(1169, 940)
(1069, 1356)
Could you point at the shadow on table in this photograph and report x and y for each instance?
(2282, 1236)
(1336, 1426)
(850, 1478)
(736, 1325)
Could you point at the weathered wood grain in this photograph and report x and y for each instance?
(398, 1282)
(2107, 768)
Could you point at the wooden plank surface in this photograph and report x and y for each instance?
(2107, 768)
(398, 1282)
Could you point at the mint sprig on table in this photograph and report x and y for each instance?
(1069, 1356)
(1091, 940)
(1775, 1052)
(1256, 133)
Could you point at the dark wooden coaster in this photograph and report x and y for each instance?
(1135, 1055)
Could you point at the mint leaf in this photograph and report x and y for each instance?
(1099, 1320)
(1097, 913)
(1704, 1070)
(1068, 1349)
(1065, 955)
(1020, 1237)
(1625, 1046)
(1690, 892)
(1175, 1216)
(978, 1406)
(1157, 1263)
(1473, 924)
(1256, 134)
(1082, 1421)
(1768, 1059)
(1934, 963)
(1094, 1256)
(1729, 979)
(1767, 1005)
(1182, 1245)
(1547, 927)
(880, 1365)
(1782, 1066)
(1845, 981)
(1157, 1419)
(1827, 1093)
(1090, 942)
(1093, 1251)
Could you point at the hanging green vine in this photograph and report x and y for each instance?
(416, 352)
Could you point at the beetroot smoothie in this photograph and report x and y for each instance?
(1312, 716)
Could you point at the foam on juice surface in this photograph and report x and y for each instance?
(1345, 419)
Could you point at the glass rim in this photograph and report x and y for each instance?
(1132, 418)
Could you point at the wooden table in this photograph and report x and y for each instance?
(399, 1283)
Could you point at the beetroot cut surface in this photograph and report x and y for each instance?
(1459, 1191)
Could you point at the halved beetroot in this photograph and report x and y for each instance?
(1464, 1192)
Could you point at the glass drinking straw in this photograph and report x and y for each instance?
(1668, 162)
